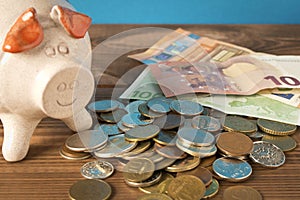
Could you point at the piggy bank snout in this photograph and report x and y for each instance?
(64, 91)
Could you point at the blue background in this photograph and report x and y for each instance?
(190, 11)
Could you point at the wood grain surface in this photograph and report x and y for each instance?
(45, 175)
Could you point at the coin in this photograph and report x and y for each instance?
(212, 189)
(109, 129)
(201, 152)
(122, 127)
(206, 123)
(232, 169)
(186, 187)
(239, 124)
(169, 121)
(155, 178)
(155, 196)
(164, 163)
(167, 138)
(276, 128)
(208, 161)
(234, 144)
(142, 133)
(71, 155)
(169, 151)
(159, 187)
(140, 148)
(159, 104)
(103, 106)
(285, 143)
(113, 117)
(97, 170)
(241, 192)
(185, 164)
(144, 110)
(86, 140)
(195, 137)
(267, 154)
(188, 108)
(256, 136)
(133, 106)
(138, 169)
(90, 189)
(115, 146)
(204, 174)
(135, 119)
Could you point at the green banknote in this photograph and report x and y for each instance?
(145, 87)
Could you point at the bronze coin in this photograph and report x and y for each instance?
(241, 192)
(169, 151)
(182, 165)
(234, 144)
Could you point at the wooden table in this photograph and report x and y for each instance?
(45, 175)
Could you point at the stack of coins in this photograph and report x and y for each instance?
(160, 143)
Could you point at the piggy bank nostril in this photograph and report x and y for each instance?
(62, 87)
(50, 51)
(63, 49)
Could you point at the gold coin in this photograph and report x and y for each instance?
(72, 155)
(159, 187)
(155, 197)
(204, 174)
(140, 148)
(155, 178)
(169, 151)
(241, 192)
(166, 162)
(186, 187)
(234, 144)
(186, 164)
(276, 128)
(90, 189)
(285, 143)
(212, 189)
(239, 124)
(142, 133)
(138, 169)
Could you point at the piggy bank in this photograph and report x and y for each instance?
(45, 69)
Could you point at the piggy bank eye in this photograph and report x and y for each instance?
(76, 24)
(26, 33)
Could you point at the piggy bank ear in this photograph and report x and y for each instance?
(26, 33)
(76, 24)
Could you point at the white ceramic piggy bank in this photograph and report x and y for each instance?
(45, 65)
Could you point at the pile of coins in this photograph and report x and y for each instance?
(178, 149)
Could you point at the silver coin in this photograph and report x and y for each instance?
(86, 140)
(112, 117)
(142, 133)
(155, 178)
(103, 106)
(145, 111)
(267, 154)
(188, 108)
(122, 127)
(232, 169)
(97, 170)
(135, 119)
(159, 104)
(115, 146)
(201, 152)
(206, 123)
(196, 137)
(109, 129)
(134, 106)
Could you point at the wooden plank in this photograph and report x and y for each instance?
(45, 175)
